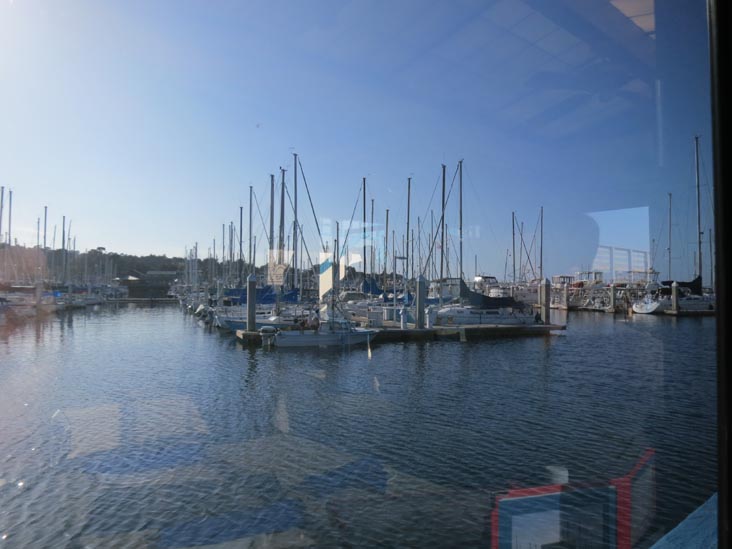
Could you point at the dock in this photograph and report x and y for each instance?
(438, 333)
(143, 300)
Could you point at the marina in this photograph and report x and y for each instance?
(362, 275)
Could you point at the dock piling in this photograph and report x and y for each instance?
(420, 301)
(251, 303)
(545, 300)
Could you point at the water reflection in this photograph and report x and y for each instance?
(153, 431)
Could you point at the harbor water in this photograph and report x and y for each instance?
(138, 426)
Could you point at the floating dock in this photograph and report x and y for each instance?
(143, 300)
(457, 333)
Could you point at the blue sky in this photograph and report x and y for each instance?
(145, 123)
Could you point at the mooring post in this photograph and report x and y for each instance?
(545, 300)
(612, 298)
(251, 303)
(420, 301)
(675, 297)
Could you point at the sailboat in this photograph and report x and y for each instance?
(690, 296)
(467, 307)
(334, 330)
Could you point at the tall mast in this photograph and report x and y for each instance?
(45, 222)
(294, 226)
(521, 252)
(63, 248)
(711, 264)
(541, 247)
(433, 236)
(241, 234)
(386, 246)
(460, 188)
(419, 245)
(442, 234)
(698, 209)
(281, 243)
(10, 217)
(373, 252)
(364, 229)
(409, 198)
(513, 243)
(270, 256)
(2, 204)
(669, 236)
(251, 257)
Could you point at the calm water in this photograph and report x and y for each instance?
(134, 427)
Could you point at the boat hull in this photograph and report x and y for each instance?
(296, 339)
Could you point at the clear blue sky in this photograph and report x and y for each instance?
(145, 122)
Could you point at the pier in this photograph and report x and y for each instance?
(454, 333)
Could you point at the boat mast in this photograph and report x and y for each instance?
(364, 229)
(241, 224)
(281, 243)
(294, 227)
(335, 274)
(409, 202)
(698, 209)
(63, 249)
(541, 247)
(442, 234)
(10, 217)
(419, 246)
(386, 246)
(460, 188)
(373, 251)
(711, 265)
(513, 243)
(251, 256)
(669, 236)
(2, 204)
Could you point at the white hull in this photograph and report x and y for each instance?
(323, 338)
(688, 303)
(469, 316)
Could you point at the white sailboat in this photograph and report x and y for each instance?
(690, 296)
(333, 331)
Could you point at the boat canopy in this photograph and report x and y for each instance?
(481, 301)
(266, 295)
(369, 286)
(694, 286)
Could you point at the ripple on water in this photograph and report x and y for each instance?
(136, 426)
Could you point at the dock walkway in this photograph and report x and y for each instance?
(458, 333)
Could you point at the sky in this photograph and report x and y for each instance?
(145, 123)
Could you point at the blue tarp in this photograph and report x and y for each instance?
(371, 287)
(266, 295)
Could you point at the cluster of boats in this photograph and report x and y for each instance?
(21, 303)
(659, 298)
(352, 316)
